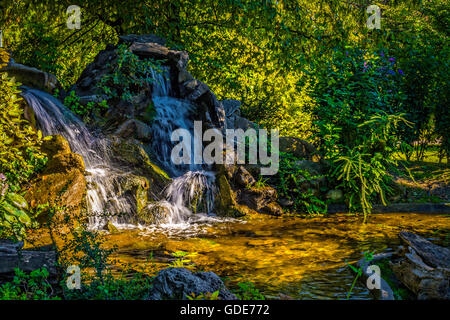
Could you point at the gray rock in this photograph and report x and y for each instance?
(159, 52)
(286, 202)
(92, 98)
(262, 200)
(10, 246)
(335, 195)
(31, 77)
(299, 148)
(231, 107)
(27, 260)
(243, 178)
(135, 129)
(177, 283)
(237, 122)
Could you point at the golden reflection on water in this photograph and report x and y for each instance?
(303, 258)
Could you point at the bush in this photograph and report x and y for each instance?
(130, 75)
(19, 142)
(359, 122)
(72, 102)
(20, 157)
(32, 286)
(294, 183)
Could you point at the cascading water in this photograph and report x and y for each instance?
(103, 178)
(190, 187)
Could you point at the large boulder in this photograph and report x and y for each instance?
(225, 203)
(12, 256)
(31, 77)
(155, 212)
(183, 84)
(136, 129)
(238, 195)
(62, 182)
(231, 107)
(178, 283)
(262, 200)
(131, 153)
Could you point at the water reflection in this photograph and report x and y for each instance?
(303, 258)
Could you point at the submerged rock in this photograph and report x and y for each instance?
(154, 213)
(177, 283)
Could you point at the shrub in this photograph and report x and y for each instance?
(72, 102)
(130, 75)
(19, 142)
(359, 122)
(31, 286)
(294, 183)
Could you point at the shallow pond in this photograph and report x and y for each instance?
(302, 258)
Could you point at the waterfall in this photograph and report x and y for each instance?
(191, 184)
(102, 177)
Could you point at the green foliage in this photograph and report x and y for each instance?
(362, 171)
(352, 86)
(130, 75)
(359, 125)
(112, 287)
(368, 256)
(20, 157)
(72, 101)
(19, 142)
(84, 249)
(294, 183)
(260, 52)
(248, 291)
(14, 216)
(204, 296)
(260, 183)
(181, 261)
(32, 286)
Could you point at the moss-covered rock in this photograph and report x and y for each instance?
(225, 200)
(137, 187)
(154, 213)
(53, 145)
(62, 182)
(131, 153)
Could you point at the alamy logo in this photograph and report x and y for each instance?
(74, 280)
(74, 19)
(374, 21)
(374, 280)
(255, 141)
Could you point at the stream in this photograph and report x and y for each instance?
(301, 258)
